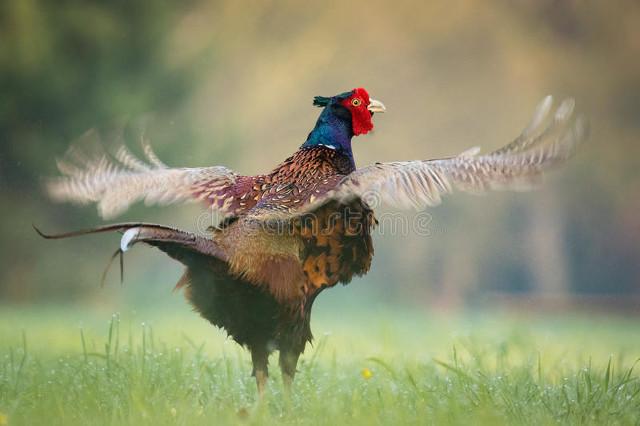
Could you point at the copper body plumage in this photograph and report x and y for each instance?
(306, 226)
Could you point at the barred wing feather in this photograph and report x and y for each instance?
(114, 182)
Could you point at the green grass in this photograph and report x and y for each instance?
(70, 366)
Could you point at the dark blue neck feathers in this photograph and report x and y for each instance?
(333, 129)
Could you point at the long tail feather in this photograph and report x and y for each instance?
(106, 269)
(173, 241)
(119, 227)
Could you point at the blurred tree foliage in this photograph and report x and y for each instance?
(66, 67)
(69, 66)
(454, 74)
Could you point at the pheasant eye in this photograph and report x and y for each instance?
(356, 102)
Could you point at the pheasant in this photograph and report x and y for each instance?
(287, 235)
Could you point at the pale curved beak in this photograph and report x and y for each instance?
(376, 106)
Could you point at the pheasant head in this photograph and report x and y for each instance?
(344, 116)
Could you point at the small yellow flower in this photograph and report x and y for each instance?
(174, 412)
(4, 419)
(366, 373)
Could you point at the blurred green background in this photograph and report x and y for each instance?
(231, 83)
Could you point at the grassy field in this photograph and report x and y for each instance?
(83, 366)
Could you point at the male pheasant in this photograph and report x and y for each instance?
(303, 227)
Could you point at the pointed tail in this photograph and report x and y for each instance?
(186, 247)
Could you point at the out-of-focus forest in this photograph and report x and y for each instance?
(226, 83)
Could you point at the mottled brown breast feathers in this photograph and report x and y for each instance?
(336, 243)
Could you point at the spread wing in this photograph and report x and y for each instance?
(545, 143)
(114, 182)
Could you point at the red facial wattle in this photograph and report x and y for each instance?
(357, 103)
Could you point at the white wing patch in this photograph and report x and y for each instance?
(128, 236)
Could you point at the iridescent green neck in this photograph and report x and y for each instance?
(333, 130)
